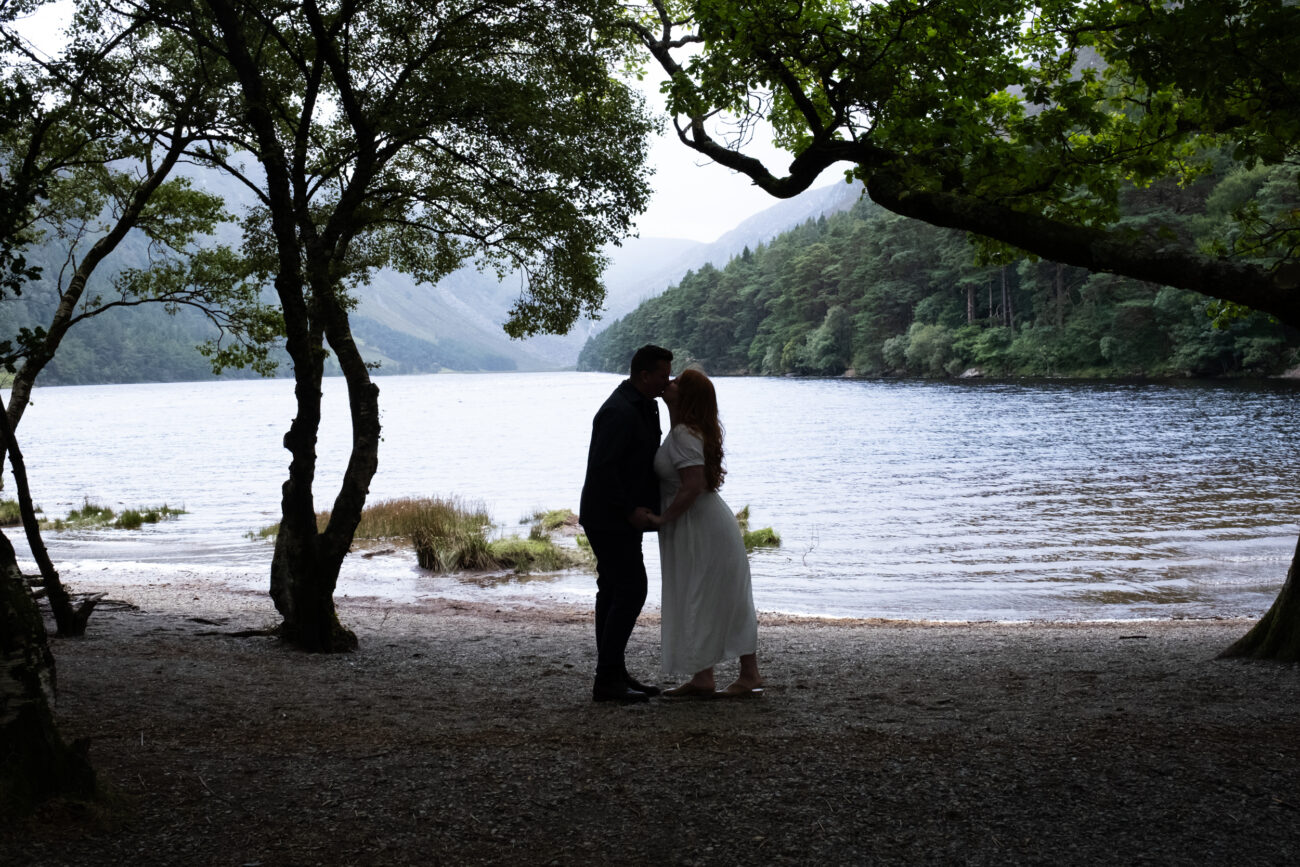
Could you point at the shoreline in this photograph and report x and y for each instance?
(464, 733)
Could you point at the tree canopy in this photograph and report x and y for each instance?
(1023, 122)
(417, 137)
(878, 294)
(1020, 121)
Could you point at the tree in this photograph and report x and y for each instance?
(90, 158)
(1019, 121)
(35, 762)
(413, 136)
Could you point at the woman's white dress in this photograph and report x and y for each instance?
(708, 602)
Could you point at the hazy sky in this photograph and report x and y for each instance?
(699, 199)
(693, 199)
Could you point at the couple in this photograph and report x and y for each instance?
(635, 485)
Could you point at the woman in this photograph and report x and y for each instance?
(708, 604)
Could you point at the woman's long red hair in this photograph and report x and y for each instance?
(697, 408)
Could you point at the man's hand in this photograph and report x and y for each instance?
(641, 518)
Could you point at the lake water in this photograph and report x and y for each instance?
(943, 500)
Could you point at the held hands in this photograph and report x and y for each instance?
(644, 519)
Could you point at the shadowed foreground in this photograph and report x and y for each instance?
(464, 734)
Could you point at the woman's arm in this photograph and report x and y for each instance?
(692, 486)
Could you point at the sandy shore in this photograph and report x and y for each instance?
(464, 733)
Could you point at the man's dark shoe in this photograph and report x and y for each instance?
(619, 692)
(633, 683)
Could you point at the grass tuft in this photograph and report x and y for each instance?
(533, 555)
(449, 535)
(10, 514)
(93, 515)
(552, 520)
(763, 538)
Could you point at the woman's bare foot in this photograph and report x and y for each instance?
(743, 689)
(699, 686)
(744, 684)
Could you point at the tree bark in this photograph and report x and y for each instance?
(306, 563)
(35, 762)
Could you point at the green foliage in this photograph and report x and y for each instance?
(1077, 130)
(449, 535)
(880, 294)
(533, 555)
(10, 514)
(103, 223)
(762, 538)
(548, 521)
(94, 516)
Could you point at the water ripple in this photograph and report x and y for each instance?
(939, 500)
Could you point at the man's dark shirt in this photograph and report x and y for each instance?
(620, 461)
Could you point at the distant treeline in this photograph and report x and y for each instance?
(128, 344)
(145, 343)
(137, 344)
(876, 294)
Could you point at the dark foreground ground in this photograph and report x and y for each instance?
(463, 734)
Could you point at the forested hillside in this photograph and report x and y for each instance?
(873, 293)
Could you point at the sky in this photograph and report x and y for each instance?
(694, 198)
(698, 199)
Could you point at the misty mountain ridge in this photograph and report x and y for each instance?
(468, 307)
(407, 327)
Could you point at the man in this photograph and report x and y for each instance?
(619, 494)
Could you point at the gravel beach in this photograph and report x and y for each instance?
(464, 733)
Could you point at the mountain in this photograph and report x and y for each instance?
(406, 327)
(464, 312)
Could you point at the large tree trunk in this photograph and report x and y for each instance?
(304, 570)
(35, 763)
(305, 567)
(1277, 634)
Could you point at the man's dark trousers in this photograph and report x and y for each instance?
(620, 594)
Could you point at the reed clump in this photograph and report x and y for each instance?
(450, 535)
(764, 537)
(458, 541)
(10, 515)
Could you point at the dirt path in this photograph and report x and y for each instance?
(464, 734)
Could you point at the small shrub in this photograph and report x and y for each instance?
(552, 520)
(532, 555)
(129, 520)
(764, 538)
(10, 515)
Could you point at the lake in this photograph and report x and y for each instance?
(935, 500)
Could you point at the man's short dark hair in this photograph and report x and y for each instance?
(649, 356)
